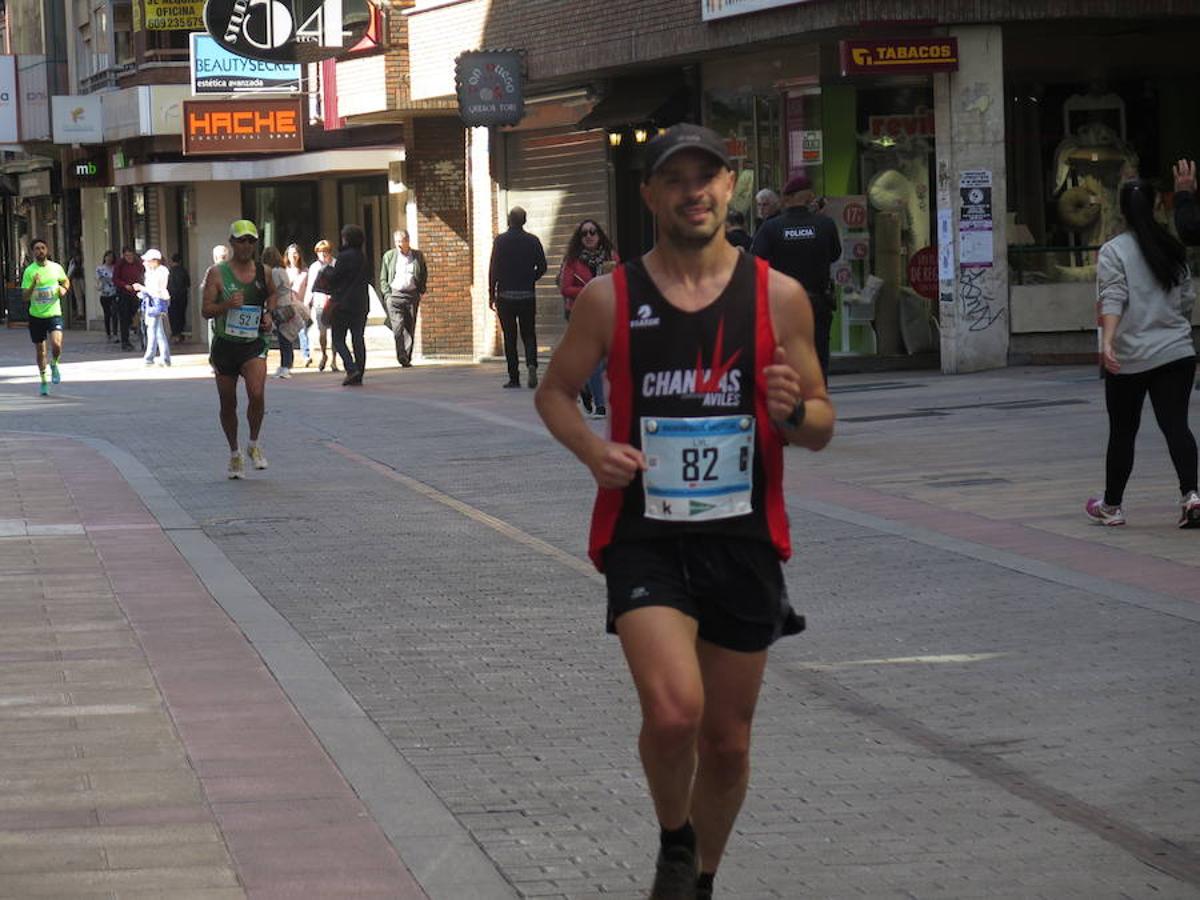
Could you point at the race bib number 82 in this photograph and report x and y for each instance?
(698, 469)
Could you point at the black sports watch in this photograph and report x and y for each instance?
(796, 419)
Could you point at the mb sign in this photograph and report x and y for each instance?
(292, 30)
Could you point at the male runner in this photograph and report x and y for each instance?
(713, 369)
(239, 299)
(45, 284)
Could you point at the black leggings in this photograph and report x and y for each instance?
(1170, 389)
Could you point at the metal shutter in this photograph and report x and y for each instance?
(559, 177)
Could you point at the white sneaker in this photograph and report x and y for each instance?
(257, 457)
(237, 468)
(283, 372)
(1189, 510)
(1106, 515)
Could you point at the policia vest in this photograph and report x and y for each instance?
(688, 390)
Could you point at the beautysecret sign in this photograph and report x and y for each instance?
(216, 70)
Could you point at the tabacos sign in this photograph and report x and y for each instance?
(295, 30)
(242, 126)
(899, 55)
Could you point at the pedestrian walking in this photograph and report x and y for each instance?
(1145, 299)
(297, 275)
(179, 286)
(766, 205)
(316, 294)
(239, 299)
(155, 298)
(78, 291)
(108, 295)
(402, 277)
(45, 284)
(349, 284)
(518, 261)
(713, 370)
(289, 321)
(804, 244)
(126, 273)
(589, 253)
(735, 230)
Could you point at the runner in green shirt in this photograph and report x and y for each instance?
(239, 299)
(45, 284)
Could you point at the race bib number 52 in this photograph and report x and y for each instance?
(698, 469)
(243, 322)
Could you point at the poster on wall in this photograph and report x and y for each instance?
(849, 213)
(8, 100)
(975, 247)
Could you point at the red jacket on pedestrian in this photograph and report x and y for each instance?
(573, 276)
(127, 274)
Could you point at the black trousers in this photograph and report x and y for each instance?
(354, 321)
(402, 318)
(518, 317)
(177, 314)
(822, 324)
(127, 305)
(1170, 390)
(112, 317)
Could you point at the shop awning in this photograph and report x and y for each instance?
(630, 106)
(319, 162)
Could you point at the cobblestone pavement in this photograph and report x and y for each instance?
(994, 699)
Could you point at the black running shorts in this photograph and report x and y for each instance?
(228, 357)
(40, 326)
(732, 587)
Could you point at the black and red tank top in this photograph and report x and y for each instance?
(687, 389)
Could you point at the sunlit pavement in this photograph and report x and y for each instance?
(994, 698)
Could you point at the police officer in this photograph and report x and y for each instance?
(804, 244)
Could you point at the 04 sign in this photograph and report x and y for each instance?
(292, 30)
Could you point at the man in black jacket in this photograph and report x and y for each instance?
(804, 244)
(402, 278)
(348, 290)
(518, 261)
(1187, 211)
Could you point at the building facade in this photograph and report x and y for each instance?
(972, 197)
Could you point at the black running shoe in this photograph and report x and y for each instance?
(585, 397)
(675, 874)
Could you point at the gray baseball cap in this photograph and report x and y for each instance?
(682, 137)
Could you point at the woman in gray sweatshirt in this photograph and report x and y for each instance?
(1145, 305)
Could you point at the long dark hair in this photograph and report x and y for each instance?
(1163, 252)
(575, 247)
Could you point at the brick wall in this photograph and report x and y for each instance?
(560, 42)
(438, 181)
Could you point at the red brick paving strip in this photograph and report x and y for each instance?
(1137, 570)
(293, 825)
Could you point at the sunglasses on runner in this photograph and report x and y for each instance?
(589, 232)
(246, 239)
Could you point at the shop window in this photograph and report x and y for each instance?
(1071, 147)
(286, 213)
(752, 125)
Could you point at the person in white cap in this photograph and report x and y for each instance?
(156, 299)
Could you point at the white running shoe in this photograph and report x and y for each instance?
(1189, 510)
(283, 372)
(1104, 514)
(257, 457)
(237, 468)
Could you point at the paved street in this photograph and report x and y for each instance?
(994, 697)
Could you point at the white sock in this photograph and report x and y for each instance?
(252, 445)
